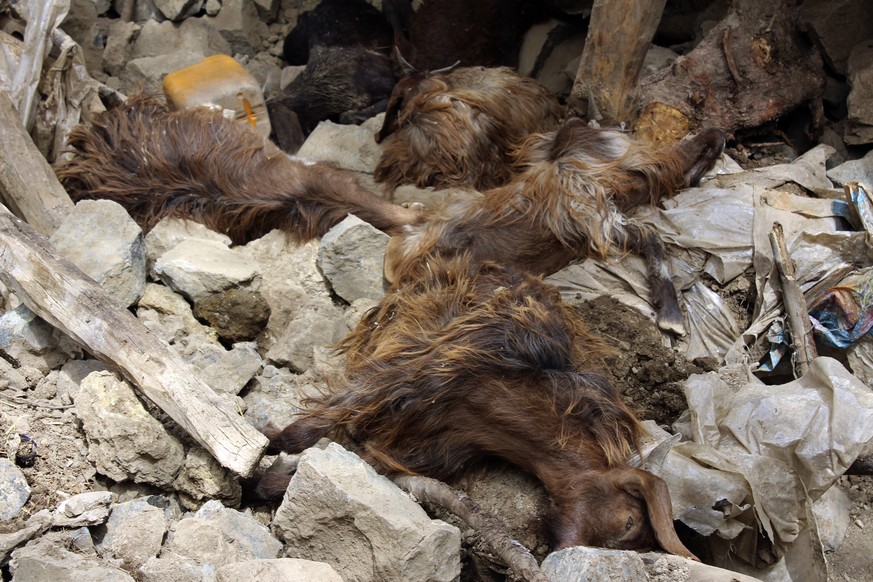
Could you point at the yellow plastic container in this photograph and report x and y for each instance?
(219, 81)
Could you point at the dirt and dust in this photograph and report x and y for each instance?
(648, 374)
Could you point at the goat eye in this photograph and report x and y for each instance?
(629, 524)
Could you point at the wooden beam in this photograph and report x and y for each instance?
(58, 292)
(28, 185)
(619, 36)
(751, 68)
(795, 304)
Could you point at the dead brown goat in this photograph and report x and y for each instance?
(468, 363)
(459, 128)
(199, 165)
(566, 202)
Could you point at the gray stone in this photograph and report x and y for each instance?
(583, 564)
(81, 24)
(135, 531)
(47, 558)
(288, 569)
(559, 70)
(234, 369)
(14, 490)
(143, 10)
(267, 73)
(289, 278)
(859, 123)
(319, 324)
(194, 36)
(216, 535)
(338, 510)
(36, 525)
(200, 268)
(837, 27)
(662, 567)
(268, 10)
(71, 376)
(119, 46)
(169, 232)
(213, 7)
(348, 146)
(84, 509)
(241, 26)
(101, 238)
(125, 441)
(351, 258)
(275, 395)
(170, 316)
(171, 567)
(202, 477)
(860, 170)
(31, 342)
(177, 10)
(12, 379)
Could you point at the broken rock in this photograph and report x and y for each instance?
(101, 238)
(338, 510)
(14, 490)
(125, 441)
(351, 258)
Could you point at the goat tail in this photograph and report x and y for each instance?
(299, 435)
(197, 164)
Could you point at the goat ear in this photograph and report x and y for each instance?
(393, 252)
(395, 105)
(653, 490)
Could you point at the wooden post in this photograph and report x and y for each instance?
(58, 292)
(28, 185)
(751, 68)
(607, 81)
(795, 304)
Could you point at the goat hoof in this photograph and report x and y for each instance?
(672, 323)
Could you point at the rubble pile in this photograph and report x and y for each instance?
(99, 483)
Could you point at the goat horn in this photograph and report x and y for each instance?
(407, 68)
(448, 69)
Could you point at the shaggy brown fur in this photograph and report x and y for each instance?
(470, 362)
(459, 128)
(564, 203)
(197, 164)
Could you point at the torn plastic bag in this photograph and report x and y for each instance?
(819, 244)
(21, 71)
(808, 171)
(775, 450)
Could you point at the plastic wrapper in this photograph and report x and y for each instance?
(70, 94)
(758, 456)
(21, 70)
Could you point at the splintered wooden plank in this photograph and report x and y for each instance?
(28, 185)
(58, 292)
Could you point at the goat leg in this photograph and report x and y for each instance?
(493, 532)
(699, 153)
(644, 242)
